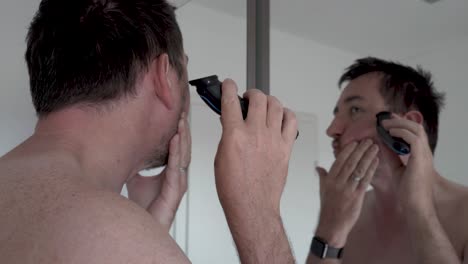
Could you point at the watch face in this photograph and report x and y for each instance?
(318, 247)
(321, 246)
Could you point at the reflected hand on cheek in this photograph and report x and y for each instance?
(343, 188)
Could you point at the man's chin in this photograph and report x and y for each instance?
(158, 160)
(153, 167)
(336, 153)
(160, 156)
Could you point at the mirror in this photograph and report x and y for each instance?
(312, 42)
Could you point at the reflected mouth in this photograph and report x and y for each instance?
(336, 147)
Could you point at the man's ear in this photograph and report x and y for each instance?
(414, 116)
(163, 85)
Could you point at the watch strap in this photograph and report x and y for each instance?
(322, 250)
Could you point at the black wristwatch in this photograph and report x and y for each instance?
(322, 250)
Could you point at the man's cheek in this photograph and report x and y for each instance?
(369, 132)
(359, 135)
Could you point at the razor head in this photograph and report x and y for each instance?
(209, 90)
(398, 145)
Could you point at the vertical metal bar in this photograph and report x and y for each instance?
(258, 45)
(251, 43)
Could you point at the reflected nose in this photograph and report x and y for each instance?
(335, 130)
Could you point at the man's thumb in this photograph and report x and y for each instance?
(321, 171)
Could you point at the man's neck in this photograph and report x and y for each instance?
(102, 148)
(384, 210)
(384, 199)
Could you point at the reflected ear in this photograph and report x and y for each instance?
(414, 116)
(163, 86)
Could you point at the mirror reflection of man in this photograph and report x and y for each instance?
(412, 214)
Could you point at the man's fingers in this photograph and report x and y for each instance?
(185, 153)
(258, 103)
(365, 163)
(231, 114)
(350, 165)
(399, 122)
(321, 172)
(342, 157)
(289, 126)
(404, 134)
(185, 143)
(164, 207)
(275, 113)
(174, 153)
(364, 183)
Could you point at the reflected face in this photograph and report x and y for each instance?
(161, 150)
(355, 112)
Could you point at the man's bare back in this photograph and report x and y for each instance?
(379, 239)
(50, 216)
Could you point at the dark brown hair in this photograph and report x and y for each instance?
(91, 51)
(404, 88)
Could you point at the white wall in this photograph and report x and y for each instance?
(304, 76)
(17, 118)
(304, 73)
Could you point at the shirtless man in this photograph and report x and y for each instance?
(109, 84)
(413, 214)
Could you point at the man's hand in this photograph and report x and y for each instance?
(342, 190)
(418, 173)
(251, 167)
(161, 194)
(429, 239)
(253, 156)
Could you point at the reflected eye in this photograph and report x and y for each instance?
(355, 109)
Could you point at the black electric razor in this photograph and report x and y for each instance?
(398, 145)
(209, 89)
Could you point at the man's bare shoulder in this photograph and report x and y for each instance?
(60, 221)
(107, 228)
(454, 196)
(451, 203)
(460, 200)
